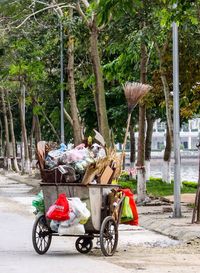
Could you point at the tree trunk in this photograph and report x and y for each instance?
(168, 107)
(12, 132)
(1, 139)
(26, 167)
(38, 136)
(161, 54)
(51, 125)
(7, 161)
(141, 183)
(31, 137)
(132, 151)
(35, 130)
(99, 85)
(72, 94)
(196, 209)
(68, 117)
(148, 141)
(166, 172)
(132, 145)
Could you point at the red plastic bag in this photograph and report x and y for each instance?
(132, 204)
(60, 210)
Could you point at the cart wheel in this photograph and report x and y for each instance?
(41, 235)
(108, 236)
(84, 244)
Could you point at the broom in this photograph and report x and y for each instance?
(134, 92)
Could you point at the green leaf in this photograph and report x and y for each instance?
(37, 110)
(193, 20)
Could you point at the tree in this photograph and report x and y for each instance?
(141, 179)
(7, 159)
(148, 141)
(77, 127)
(99, 95)
(12, 133)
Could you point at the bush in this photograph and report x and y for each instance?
(156, 187)
(190, 184)
(131, 184)
(124, 176)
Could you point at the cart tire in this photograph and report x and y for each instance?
(108, 236)
(41, 235)
(84, 244)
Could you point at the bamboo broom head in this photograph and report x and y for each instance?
(134, 91)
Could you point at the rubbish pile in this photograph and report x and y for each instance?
(86, 164)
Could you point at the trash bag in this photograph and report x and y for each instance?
(53, 157)
(68, 172)
(60, 210)
(134, 221)
(54, 225)
(73, 220)
(73, 155)
(127, 214)
(38, 202)
(50, 163)
(72, 230)
(80, 210)
(59, 152)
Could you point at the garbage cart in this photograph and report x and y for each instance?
(102, 224)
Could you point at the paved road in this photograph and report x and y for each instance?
(17, 254)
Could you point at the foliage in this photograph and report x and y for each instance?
(190, 184)
(156, 187)
(33, 51)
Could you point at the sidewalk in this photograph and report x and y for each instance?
(30, 180)
(153, 217)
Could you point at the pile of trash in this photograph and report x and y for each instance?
(78, 158)
(85, 164)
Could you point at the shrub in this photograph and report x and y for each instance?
(190, 184)
(156, 187)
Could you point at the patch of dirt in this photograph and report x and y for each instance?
(181, 258)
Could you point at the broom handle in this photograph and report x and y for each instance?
(126, 135)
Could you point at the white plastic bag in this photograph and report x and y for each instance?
(54, 225)
(72, 230)
(73, 220)
(80, 209)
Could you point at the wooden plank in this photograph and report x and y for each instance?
(105, 177)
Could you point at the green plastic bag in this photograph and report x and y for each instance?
(38, 202)
(127, 214)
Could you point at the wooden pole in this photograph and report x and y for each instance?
(126, 134)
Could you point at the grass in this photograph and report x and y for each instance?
(156, 187)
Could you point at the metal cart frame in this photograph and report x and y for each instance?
(102, 224)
